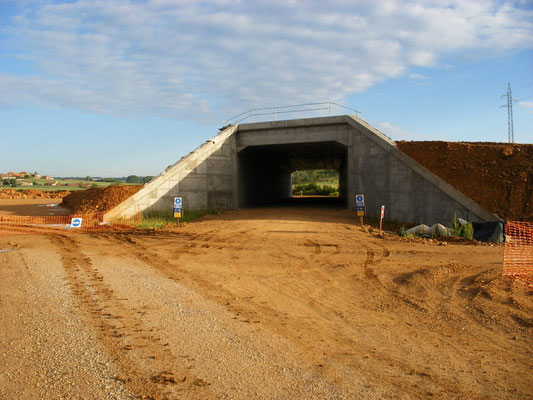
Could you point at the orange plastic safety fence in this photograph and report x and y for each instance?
(518, 253)
(61, 224)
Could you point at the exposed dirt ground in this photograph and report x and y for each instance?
(32, 207)
(99, 199)
(498, 176)
(284, 303)
(32, 194)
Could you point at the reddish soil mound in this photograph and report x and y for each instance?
(99, 199)
(498, 176)
(31, 194)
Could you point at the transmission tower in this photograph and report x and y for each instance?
(510, 130)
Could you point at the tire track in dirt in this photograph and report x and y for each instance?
(341, 324)
(317, 312)
(148, 368)
(168, 268)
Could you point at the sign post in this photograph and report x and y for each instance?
(178, 209)
(381, 218)
(360, 206)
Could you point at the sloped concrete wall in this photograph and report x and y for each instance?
(410, 192)
(204, 179)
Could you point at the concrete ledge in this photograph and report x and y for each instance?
(292, 123)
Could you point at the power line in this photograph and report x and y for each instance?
(489, 115)
(486, 122)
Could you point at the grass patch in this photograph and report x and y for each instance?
(160, 219)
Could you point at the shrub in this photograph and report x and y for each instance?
(401, 231)
(466, 230)
(314, 189)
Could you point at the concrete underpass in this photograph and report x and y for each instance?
(251, 164)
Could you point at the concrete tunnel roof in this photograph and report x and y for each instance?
(300, 156)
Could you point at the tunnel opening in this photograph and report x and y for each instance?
(319, 182)
(264, 172)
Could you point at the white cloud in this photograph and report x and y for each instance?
(527, 104)
(180, 58)
(417, 76)
(397, 133)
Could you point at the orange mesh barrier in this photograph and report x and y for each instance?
(518, 253)
(15, 225)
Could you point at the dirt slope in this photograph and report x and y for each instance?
(99, 199)
(498, 176)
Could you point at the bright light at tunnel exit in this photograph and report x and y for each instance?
(323, 182)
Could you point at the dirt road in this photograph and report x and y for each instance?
(266, 303)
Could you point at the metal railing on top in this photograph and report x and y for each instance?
(296, 108)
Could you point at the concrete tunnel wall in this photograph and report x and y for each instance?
(248, 163)
(261, 181)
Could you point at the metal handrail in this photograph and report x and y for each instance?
(282, 110)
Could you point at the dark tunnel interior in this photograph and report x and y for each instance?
(265, 171)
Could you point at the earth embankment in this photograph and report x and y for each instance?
(11, 194)
(99, 199)
(498, 176)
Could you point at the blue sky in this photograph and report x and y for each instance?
(118, 87)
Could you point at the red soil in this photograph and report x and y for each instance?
(31, 194)
(99, 199)
(498, 176)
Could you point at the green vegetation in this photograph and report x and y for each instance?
(323, 182)
(403, 233)
(138, 180)
(314, 189)
(463, 230)
(159, 219)
(328, 177)
(62, 184)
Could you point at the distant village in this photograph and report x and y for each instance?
(24, 178)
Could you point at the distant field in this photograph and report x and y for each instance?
(326, 182)
(41, 185)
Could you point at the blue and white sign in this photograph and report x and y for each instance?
(178, 202)
(76, 222)
(360, 200)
